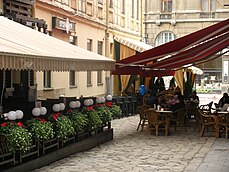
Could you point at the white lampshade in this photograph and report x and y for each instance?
(91, 101)
(98, 100)
(62, 106)
(72, 104)
(12, 115)
(109, 97)
(36, 111)
(87, 102)
(103, 99)
(43, 110)
(19, 114)
(78, 104)
(56, 107)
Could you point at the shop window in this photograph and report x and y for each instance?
(72, 78)
(164, 37)
(47, 79)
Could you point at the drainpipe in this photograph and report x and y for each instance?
(107, 49)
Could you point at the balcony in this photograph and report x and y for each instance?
(207, 15)
(165, 16)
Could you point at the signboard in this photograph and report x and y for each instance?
(63, 24)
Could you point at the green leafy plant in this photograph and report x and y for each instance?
(104, 113)
(18, 137)
(79, 120)
(115, 110)
(63, 126)
(40, 129)
(94, 120)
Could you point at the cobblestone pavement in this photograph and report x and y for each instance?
(136, 151)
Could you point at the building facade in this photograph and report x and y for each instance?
(166, 20)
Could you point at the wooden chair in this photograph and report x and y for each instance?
(210, 122)
(179, 118)
(156, 122)
(207, 108)
(224, 124)
(143, 121)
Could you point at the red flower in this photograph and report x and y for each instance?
(90, 108)
(55, 116)
(3, 124)
(109, 104)
(43, 120)
(69, 110)
(20, 124)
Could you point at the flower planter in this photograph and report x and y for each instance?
(27, 156)
(6, 158)
(64, 142)
(50, 145)
(81, 136)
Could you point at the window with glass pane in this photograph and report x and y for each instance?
(133, 8)
(99, 77)
(123, 6)
(72, 78)
(164, 37)
(166, 6)
(137, 9)
(89, 78)
(73, 40)
(208, 5)
(100, 47)
(111, 3)
(89, 44)
(82, 5)
(47, 79)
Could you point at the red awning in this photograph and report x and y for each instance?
(192, 48)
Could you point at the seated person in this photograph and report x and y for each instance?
(178, 101)
(194, 97)
(224, 100)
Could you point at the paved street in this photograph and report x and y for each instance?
(135, 151)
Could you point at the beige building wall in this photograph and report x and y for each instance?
(85, 28)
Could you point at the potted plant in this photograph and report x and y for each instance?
(40, 129)
(79, 120)
(94, 120)
(115, 110)
(63, 126)
(18, 138)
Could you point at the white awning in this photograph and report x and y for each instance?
(133, 44)
(24, 48)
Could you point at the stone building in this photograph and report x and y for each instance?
(166, 20)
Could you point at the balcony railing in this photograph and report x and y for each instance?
(207, 15)
(165, 16)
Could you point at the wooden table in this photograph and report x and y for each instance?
(167, 114)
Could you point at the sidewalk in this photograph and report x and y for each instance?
(136, 151)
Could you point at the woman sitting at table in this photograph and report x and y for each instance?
(178, 101)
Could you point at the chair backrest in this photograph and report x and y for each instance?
(141, 112)
(205, 118)
(152, 116)
(180, 115)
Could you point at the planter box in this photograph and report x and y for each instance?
(46, 159)
(64, 142)
(31, 154)
(6, 159)
(50, 145)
